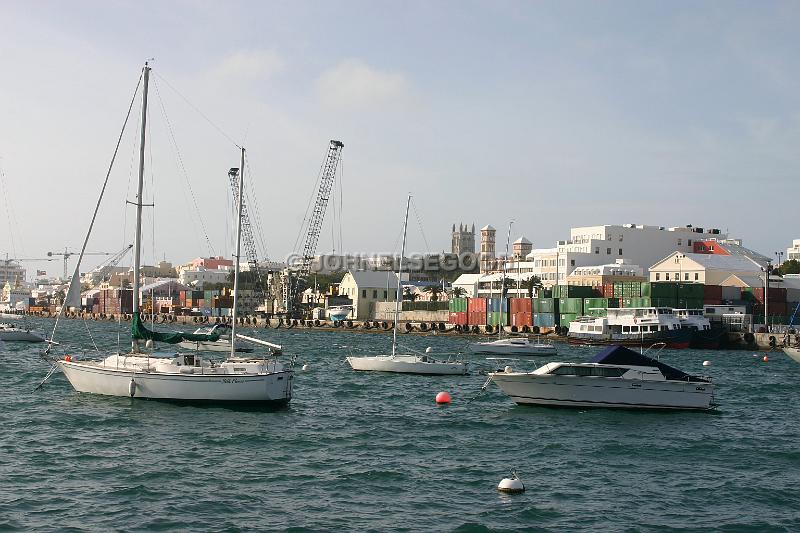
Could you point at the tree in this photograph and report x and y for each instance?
(126, 283)
(792, 266)
(434, 290)
(533, 283)
(458, 292)
(408, 295)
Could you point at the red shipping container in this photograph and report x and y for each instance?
(712, 292)
(521, 305)
(522, 318)
(776, 294)
(708, 301)
(476, 305)
(459, 318)
(477, 318)
(608, 290)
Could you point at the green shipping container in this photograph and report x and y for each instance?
(691, 290)
(495, 319)
(570, 305)
(599, 303)
(690, 303)
(545, 305)
(660, 289)
(573, 291)
(566, 318)
(458, 305)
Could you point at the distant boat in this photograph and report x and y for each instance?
(630, 326)
(704, 334)
(616, 377)
(513, 346)
(340, 312)
(405, 364)
(12, 333)
(222, 344)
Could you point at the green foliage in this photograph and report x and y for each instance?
(533, 283)
(792, 266)
(434, 290)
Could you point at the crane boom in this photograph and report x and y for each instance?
(248, 239)
(291, 287)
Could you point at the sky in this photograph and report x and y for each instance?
(553, 114)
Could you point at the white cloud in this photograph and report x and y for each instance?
(250, 64)
(353, 84)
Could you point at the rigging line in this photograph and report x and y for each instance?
(182, 166)
(97, 207)
(190, 104)
(306, 219)
(341, 200)
(4, 189)
(85, 323)
(254, 203)
(419, 223)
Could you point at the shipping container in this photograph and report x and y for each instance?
(570, 306)
(520, 305)
(496, 305)
(476, 305)
(458, 305)
(776, 294)
(660, 289)
(476, 318)
(572, 291)
(494, 318)
(545, 305)
(692, 291)
(544, 320)
(522, 318)
(689, 303)
(459, 318)
(712, 292)
(731, 293)
(596, 312)
(599, 303)
(566, 318)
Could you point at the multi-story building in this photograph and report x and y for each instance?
(521, 248)
(11, 271)
(200, 276)
(463, 240)
(794, 251)
(597, 276)
(487, 254)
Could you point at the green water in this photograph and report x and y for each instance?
(364, 451)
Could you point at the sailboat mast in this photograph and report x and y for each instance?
(399, 294)
(138, 242)
(238, 253)
(503, 280)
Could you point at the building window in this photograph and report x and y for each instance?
(363, 293)
(385, 294)
(375, 293)
(677, 277)
(572, 262)
(608, 251)
(696, 276)
(680, 242)
(597, 249)
(667, 276)
(686, 276)
(689, 242)
(658, 276)
(620, 251)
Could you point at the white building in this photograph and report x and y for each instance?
(365, 288)
(708, 269)
(11, 271)
(200, 276)
(794, 251)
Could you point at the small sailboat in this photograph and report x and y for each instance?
(143, 374)
(406, 363)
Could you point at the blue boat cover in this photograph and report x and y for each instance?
(619, 355)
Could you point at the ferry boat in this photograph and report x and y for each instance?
(631, 326)
(616, 377)
(703, 334)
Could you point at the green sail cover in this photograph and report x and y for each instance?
(139, 331)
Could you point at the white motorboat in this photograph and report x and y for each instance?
(222, 344)
(794, 353)
(12, 333)
(339, 313)
(405, 363)
(179, 377)
(615, 377)
(513, 346)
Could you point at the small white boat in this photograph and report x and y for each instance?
(340, 312)
(408, 364)
(794, 353)
(11, 333)
(513, 346)
(616, 377)
(405, 363)
(223, 344)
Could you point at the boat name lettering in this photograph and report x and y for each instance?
(232, 380)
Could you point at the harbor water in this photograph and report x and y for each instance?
(368, 451)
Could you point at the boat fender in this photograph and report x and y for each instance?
(132, 387)
(514, 329)
(749, 337)
(316, 322)
(409, 327)
(526, 329)
(194, 319)
(385, 325)
(458, 328)
(442, 327)
(423, 326)
(349, 323)
(489, 329)
(772, 342)
(366, 325)
(536, 329)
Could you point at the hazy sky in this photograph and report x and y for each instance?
(556, 114)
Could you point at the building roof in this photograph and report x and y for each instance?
(161, 283)
(726, 263)
(522, 240)
(373, 278)
(487, 227)
(467, 279)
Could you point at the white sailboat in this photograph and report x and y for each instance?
(406, 363)
(511, 345)
(794, 353)
(181, 376)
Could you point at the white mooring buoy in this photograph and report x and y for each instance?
(428, 349)
(706, 363)
(508, 369)
(148, 343)
(511, 485)
(305, 367)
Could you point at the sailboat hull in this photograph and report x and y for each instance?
(275, 387)
(407, 364)
(794, 353)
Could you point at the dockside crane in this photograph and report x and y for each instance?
(296, 275)
(66, 254)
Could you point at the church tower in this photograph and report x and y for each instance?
(463, 239)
